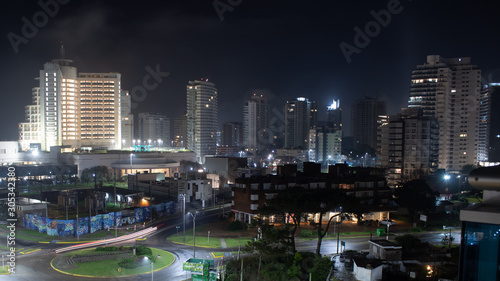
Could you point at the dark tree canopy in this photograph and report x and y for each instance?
(417, 196)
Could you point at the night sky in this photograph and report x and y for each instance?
(286, 49)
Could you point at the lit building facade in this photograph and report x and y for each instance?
(127, 119)
(29, 131)
(73, 109)
(450, 91)
(325, 142)
(255, 123)
(409, 146)
(297, 123)
(100, 116)
(202, 118)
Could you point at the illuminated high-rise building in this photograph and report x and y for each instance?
(73, 109)
(450, 91)
(202, 118)
(325, 142)
(334, 115)
(255, 123)
(298, 123)
(127, 117)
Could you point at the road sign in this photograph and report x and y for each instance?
(342, 243)
(423, 218)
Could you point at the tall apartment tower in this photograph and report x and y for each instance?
(58, 94)
(325, 142)
(334, 115)
(100, 119)
(202, 118)
(153, 129)
(489, 124)
(255, 123)
(180, 130)
(409, 146)
(364, 115)
(450, 91)
(232, 134)
(127, 119)
(78, 110)
(297, 123)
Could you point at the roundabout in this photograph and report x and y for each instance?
(111, 263)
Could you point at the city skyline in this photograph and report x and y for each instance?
(255, 46)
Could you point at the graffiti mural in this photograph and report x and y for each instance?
(67, 228)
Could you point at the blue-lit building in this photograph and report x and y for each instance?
(480, 245)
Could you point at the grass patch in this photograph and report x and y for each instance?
(235, 242)
(201, 241)
(4, 269)
(109, 268)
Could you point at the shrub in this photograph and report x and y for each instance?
(236, 225)
(128, 263)
(416, 229)
(107, 249)
(143, 251)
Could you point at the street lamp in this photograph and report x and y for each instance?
(152, 265)
(131, 155)
(183, 216)
(446, 177)
(194, 229)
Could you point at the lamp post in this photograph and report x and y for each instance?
(152, 265)
(194, 229)
(183, 216)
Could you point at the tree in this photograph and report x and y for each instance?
(289, 204)
(417, 197)
(322, 201)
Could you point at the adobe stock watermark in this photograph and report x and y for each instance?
(221, 7)
(149, 82)
(40, 19)
(372, 29)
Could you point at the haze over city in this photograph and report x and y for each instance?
(288, 49)
(307, 140)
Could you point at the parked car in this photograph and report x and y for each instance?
(387, 222)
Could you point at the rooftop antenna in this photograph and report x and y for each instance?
(61, 51)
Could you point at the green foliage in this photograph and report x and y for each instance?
(407, 241)
(236, 226)
(305, 233)
(416, 196)
(107, 249)
(143, 251)
(129, 263)
(416, 229)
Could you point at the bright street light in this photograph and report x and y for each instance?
(447, 177)
(152, 265)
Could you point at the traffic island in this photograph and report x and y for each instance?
(112, 262)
